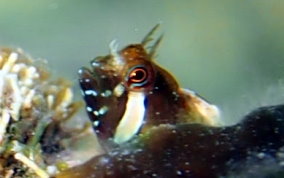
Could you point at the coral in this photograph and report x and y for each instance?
(33, 110)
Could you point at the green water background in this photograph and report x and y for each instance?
(230, 52)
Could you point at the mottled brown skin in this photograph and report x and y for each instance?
(193, 150)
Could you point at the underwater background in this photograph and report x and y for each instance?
(230, 52)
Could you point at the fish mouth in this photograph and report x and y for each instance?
(103, 106)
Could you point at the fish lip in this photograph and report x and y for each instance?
(98, 78)
(94, 74)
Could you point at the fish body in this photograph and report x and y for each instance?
(162, 130)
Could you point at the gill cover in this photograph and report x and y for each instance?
(126, 93)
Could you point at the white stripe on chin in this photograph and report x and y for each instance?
(132, 119)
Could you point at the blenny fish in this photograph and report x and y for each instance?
(158, 129)
(126, 93)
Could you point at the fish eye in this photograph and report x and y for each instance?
(138, 76)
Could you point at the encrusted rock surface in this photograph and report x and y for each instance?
(33, 110)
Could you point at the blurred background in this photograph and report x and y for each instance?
(230, 52)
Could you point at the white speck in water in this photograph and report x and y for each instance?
(157, 113)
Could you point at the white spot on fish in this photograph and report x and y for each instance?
(96, 113)
(179, 172)
(91, 92)
(89, 109)
(107, 93)
(95, 64)
(80, 71)
(118, 90)
(87, 80)
(96, 123)
(103, 110)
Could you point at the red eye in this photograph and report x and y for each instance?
(138, 76)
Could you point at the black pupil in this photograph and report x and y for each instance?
(138, 75)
